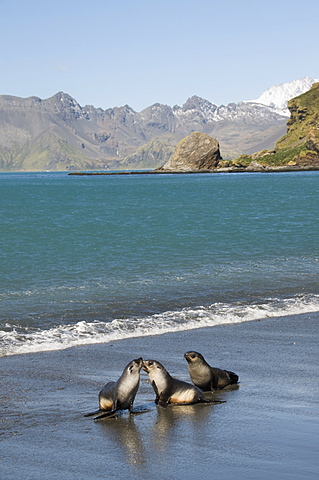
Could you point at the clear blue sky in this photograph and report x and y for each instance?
(110, 53)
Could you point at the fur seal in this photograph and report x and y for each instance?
(171, 390)
(120, 395)
(206, 377)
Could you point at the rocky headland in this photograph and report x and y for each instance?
(298, 149)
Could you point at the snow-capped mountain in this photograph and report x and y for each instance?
(201, 111)
(267, 107)
(277, 96)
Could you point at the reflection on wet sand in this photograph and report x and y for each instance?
(168, 424)
(184, 420)
(175, 417)
(125, 434)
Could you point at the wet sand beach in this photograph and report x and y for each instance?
(267, 429)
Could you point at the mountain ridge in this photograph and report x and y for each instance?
(59, 134)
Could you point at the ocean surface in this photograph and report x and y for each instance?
(91, 259)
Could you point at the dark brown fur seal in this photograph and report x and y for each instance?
(120, 395)
(171, 390)
(204, 376)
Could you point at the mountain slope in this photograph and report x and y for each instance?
(58, 134)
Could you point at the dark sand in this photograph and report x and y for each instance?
(268, 429)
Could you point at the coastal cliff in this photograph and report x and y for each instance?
(299, 148)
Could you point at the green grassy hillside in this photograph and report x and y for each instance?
(300, 146)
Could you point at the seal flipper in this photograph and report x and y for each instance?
(92, 413)
(130, 408)
(163, 400)
(140, 410)
(212, 402)
(111, 413)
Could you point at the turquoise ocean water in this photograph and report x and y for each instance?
(87, 259)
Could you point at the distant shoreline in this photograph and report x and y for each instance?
(219, 170)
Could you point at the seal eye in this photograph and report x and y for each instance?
(150, 363)
(193, 356)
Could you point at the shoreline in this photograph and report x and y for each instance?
(217, 170)
(279, 169)
(269, 422)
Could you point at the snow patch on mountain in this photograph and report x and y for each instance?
(201, 111)
(277, 96)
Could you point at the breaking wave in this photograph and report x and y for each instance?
(18, 340)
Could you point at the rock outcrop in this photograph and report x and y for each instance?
(197, 152)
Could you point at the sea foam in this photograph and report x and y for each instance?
(16, 340)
